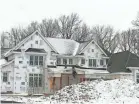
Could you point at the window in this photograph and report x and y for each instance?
(40, 60)
(137, 77)
(64, 61)
(94, 63)
(35, 80)
(92, 50)
(70, 61)
(90, 62)
(20, 62)
(22, 83)
(83, 61)
(36, 42)
(58, 61)
(31, 60)
(5, 77)
(101, 62)
(36, 60)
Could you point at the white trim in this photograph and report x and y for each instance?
(89, 44)
(26, 39)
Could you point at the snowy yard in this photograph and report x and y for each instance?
(90, 92)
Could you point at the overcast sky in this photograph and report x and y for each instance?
(118, 13)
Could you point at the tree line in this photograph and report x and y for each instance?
(72, 27)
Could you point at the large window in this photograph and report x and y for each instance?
(101, 62)
(94, 63)
(90, 62)
(35, 80)
(36, 60)
(5, 77)
(58, 61)
(70, 61)
(82, 61)
(64, 61)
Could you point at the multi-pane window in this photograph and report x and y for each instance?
(31, 60)
(5, 77)
(83, 61)
(35, 80)
(70, 61)
(64, 61)
(101, 62)
(58, 61)
(40, 60)
(36, 60)
(94, 63)
(90, 62)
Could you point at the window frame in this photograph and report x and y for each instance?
(5, 77)
(90, 63)
(83, 61)
(58, 61)
(94, 61)
(101, 62)
(64, 61)
(70, 61)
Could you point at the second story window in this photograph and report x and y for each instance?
(70, 61)
(58, 61)
(31, 60)
(94, 63)
(5, 77)
(101, 62)
(82, 61)
(64, 61)
(90, 62)
(36, 60)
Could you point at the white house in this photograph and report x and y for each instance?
(37, 63)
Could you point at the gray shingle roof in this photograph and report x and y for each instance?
(120, 61)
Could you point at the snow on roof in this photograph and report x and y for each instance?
(64, 46)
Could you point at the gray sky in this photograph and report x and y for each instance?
(118, 13)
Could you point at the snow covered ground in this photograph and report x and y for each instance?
(90, 92)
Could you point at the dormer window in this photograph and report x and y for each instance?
(92, 50)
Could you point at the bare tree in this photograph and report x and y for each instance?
(48, 28)
(128, 40)
(82, 33)
(136, 22)
(104, 36)
(67, 25)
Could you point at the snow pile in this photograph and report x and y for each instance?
(92, 92)
(98, 92)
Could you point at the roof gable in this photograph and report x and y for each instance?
(25, 40)
(87, 44)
